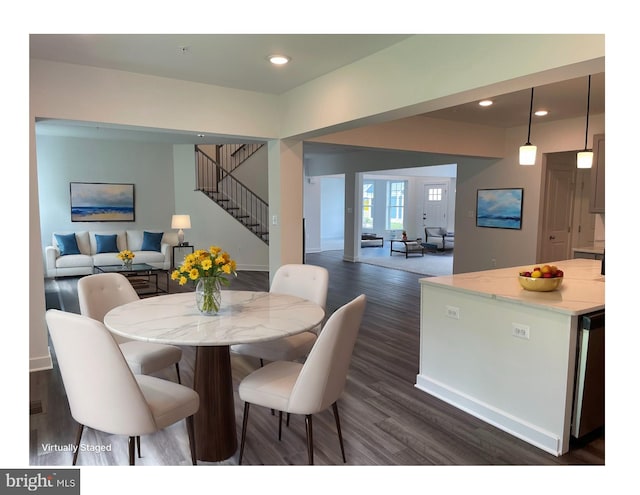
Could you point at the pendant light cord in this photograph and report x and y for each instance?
(530, 113)
(586, 131)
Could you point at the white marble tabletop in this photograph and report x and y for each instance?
(582, 290)
(244, 317)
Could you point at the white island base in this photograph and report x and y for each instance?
(506, 355)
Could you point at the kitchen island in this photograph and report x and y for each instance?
(506, 355)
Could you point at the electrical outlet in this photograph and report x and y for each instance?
(519, 330)
(453, 312)
(493, 262)
(274, 220)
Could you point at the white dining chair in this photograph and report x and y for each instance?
(100, 293)
(308, 282)
(102, 391)
(312, 387)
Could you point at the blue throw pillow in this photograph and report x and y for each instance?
(67, 244)
(151, 241)
(106, 243)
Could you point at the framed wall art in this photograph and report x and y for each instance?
(100, 202)
(499, 208)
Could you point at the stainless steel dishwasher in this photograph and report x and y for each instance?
(588, 404)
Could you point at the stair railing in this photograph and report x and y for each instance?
(231, 156)
(232, 195)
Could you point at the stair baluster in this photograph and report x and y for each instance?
(229, 193)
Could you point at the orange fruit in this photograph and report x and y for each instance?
(545, 269)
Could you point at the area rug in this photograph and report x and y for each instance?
(62, 293)
(431, 264)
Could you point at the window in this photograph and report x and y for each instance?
(395, 205)
(367, 205)
(435, 194)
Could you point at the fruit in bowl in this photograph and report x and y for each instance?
(543, 278)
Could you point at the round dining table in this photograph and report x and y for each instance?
(244, 317)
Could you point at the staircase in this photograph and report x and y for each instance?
(214, 178)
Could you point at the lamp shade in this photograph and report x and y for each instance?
(180, 222)
(585, 159)
(528, 154)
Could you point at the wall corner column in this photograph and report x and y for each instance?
(39, 353)
(286, 182)
(352, 216)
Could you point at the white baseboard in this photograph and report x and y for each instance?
(530, 433)
(253, 268)
(40, 363)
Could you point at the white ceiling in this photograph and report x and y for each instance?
(199, 57)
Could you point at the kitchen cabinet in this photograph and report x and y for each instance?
(588, 255)
(596, 199)
(506, 355)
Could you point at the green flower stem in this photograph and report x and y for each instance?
(209, 301)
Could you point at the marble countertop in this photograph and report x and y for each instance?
(596, 247)
(244, 317)
(582, 290)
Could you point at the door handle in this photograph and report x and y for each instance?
(552, 237)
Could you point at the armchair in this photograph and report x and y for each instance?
(439, 236)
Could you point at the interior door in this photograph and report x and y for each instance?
(434, 208)
(583, 226)
(558, 204)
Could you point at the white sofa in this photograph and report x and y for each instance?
(57, 265)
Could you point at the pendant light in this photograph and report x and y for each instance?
(585, 157)
(528, 151)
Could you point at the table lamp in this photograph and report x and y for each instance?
(181, 222)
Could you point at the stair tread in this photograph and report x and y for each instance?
(222, 199)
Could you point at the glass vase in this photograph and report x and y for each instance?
(127, 264)
(208, 296)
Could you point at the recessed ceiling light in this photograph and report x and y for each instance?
(541, 113)
(485, 103)
(279, 59)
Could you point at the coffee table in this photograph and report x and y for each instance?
(136, 272)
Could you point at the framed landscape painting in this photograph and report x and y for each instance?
(99, 202)
(499, 208)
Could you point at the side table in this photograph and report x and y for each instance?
(179, 253)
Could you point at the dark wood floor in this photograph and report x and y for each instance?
(385, 419)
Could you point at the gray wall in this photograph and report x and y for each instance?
(164, 178)
(332, 208)
(61, 160)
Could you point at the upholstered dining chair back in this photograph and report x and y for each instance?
(324, 373)
(102, 391)
(100, 293)
(306, 281)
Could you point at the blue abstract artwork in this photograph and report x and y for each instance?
(99, 202)
(499, 208)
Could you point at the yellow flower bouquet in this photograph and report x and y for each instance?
(210, 270)
(126, 256)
